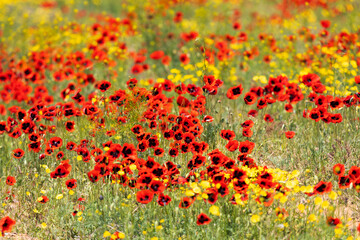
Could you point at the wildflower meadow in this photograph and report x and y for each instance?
(180, 119)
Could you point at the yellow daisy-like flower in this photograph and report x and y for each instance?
(255, 218)
(214, 210)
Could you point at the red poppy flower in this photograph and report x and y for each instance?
(70, 126)
(21, 114)
(336, 103)
(247, 132)
(60, 155)
(262, 103)
(289, 107)
(178, 17)
(310, 79)
(128, 150)
(62, 171)
(184, 59)
(203, 219)
(166, 60)
(212, 194)
(157, 186)
(103, 85)
(18, 153)
(173, 152)
(43, 199)
(10, 180)
(357, 79)
(322, 187)
(265, 183)
(266, 200)
(94, 175)
(354, 173)
(217, 159)
(49, 151)
(252, 113)
(336, 118)
(55, 142)
(339, 169)
(185, 202)
(223, 189)
(144, 196)
(137, 129)
(318, 87)
(268, 118)
(325, 23)
(71, 146)
(234, 92)
(142, 146)
(157, 55)
(114, 152)
(193, 90)
(159, 152)
(232, 145)
(247, 124)
(208, 118)
(227, 134)
(236, 25)
(163, 200)
(183, 101)
(34, 137)
(289, 134)
(344, 182)
(333, 221)
(3, 127)
(246, 147)
(71, 183)
(6, 224)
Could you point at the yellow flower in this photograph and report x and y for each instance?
(325, 204)
(133, 167)
(283, 199)
(255, 218)
(43, 225)
(312, 218)
(333, 195)
(205, 184)
(118, 235)
(106, 234)
(317, 200)
(338, 231)
(59, 196)
(189, 193)
(301, 207)
(204, 196)
(159, 227)
(214, 210)
(154, 238)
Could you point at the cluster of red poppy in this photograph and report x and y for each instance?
(353, 176)
(171, 115)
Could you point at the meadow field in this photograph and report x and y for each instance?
(180, 119)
